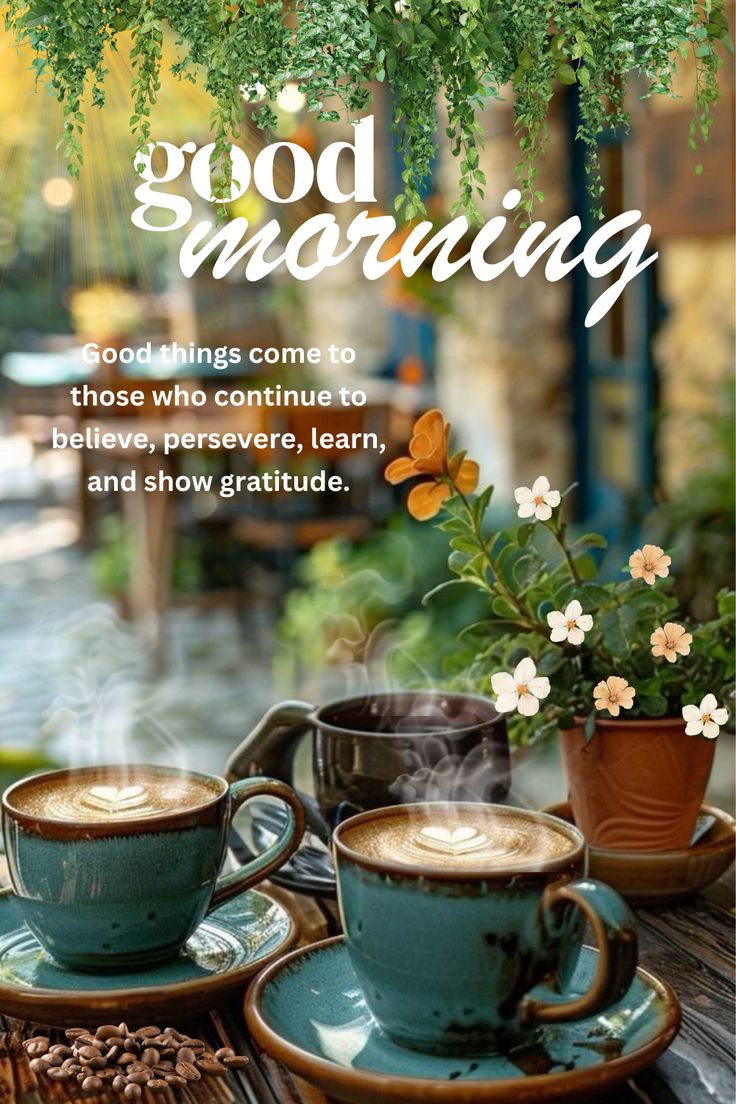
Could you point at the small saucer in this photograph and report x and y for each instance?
(229, 946)
(658, 877)
(307, 1011)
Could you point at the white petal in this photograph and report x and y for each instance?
(709, 703)
(525, 671)
(528, 705)
(559, 633)
(526, 509)
(523, 494)
(543, 512)
(573, 610)
(540, 485)
(710, 730)
(585, 622)
(506, 703)
(556, 620)
(690, 713)
(576, 636)
(539, 686)
(720, 716)
(552, 498)
(694, 728)
(503, 683)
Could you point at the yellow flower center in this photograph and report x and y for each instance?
(571, 624)
(538, 500)
(706, 718)
(648, 565)
(613, 698)
(522, 688)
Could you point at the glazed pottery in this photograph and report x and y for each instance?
(637, 785)
(307, 1011)
(234, 942)
(383, 749)
(660, 877)
(113, 894)
(446, 957)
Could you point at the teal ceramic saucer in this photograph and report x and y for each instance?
(229, 946)
(307, 1011)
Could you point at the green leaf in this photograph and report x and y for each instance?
(503, 608)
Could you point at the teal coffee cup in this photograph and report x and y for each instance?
(454, 913)
(115, 867)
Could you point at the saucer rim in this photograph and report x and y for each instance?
(30, 999)
(398, 1088)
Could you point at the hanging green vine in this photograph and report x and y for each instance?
(467, 50)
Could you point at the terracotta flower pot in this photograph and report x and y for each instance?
(638, 784)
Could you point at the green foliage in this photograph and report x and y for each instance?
(467, 50)
(533, 568)
(358, 604)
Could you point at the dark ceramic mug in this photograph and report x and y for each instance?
(469, 961)
(128, 890)
(383, 749)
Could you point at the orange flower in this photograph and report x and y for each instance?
(614, 695)
(670, 641)
(649, 561)
(428, 455)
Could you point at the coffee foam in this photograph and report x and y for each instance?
(461, 837)
(112, 795)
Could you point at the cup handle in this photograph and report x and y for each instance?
(269, 748)
(230, 885)
(614, 929)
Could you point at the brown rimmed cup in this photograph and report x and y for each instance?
(127, 886)
(447, 949)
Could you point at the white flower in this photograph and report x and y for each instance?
(705, 718)
(571, 625)
(522, 690)
(537, 501)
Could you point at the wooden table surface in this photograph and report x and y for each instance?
(691, 945)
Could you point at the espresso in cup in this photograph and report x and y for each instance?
(114, 867)
(454, 912)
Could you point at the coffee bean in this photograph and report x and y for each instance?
(37, 1046)
(225, 1052)
(188, 1071)
(148, 1032)
(60, 1074)
(133, 1092)
(119, 1083)
(89, 1052)
(138, 1076)
(107, 1031)
(132, 1045)
(75, 1032)
(157, 1085)
(85, 1040)
(211, 1066)
(91, 1084)
(113, 1053)
(54, 1059)
(163, 1067)
(106, 1074)
(175, 1080)
(167, 1052)
(126, 1058)
(116, 1040)
(59, 1048)
(39, 1065)
(236, 1062)
(150, 1056)
(81, 1076)
(96, 1063)
(185, 1054)
(175, 1034)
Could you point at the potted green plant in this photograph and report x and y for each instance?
(635, 691)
